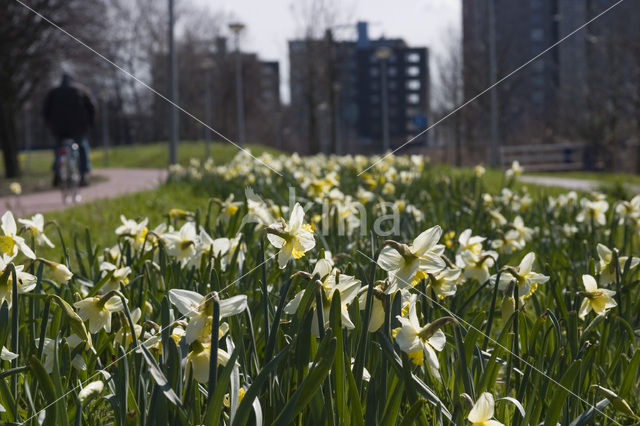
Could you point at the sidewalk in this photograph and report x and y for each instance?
(568, 183)
(118, 182)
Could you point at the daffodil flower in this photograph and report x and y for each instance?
(183, 245)
(420, 342)
(331, 282)
(402, 261)
(482, 412)
(91, 390)
(598, 299)
(48, 353)
(120, 276)
(526, 279)
(593, 211)
(606, 266)
(444, 283)
(134, 231)
(198, 361)
(199, 310)
(294, 238)
(98, 311)
(26, 281)
(36, 226)
(215, 247)
(10, 242)
(7, 355)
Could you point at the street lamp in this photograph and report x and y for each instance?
(207, 66)
(383, 53)
(236, 28)
(104, 98)
(173, 96)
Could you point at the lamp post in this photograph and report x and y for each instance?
(104, 98)
(173, 78)
(494, 155)
(236, 28)
(207, 66)
(383, 53)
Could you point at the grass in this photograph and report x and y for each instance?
(37, 174)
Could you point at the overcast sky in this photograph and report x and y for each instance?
(270, 23)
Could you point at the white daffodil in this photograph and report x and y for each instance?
(444, 283)
(36, 226)
(136, 232)
(482, 412)
(123, 335)
(91, 390)
(235, 244)
(10, 242)
(199, 310)
(294, 238)
(332, 282)
(402, 261)
(26, 281)
(212, 247)
(606, 266)
(198, 361)
(514, 171)
(258, 211)
(183, 245)
(526, 279)
(7, 355)
(120, 276)
(598, 299)
(98, 311)
(420, 342)
(48, 353)
(593, 211)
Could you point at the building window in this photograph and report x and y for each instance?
(392, 71)
(413, 98)
(537, 34)
(413, 71)
(373, 71)
(413, 57)
(413, 84)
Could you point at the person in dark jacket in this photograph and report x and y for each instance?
(69, 111)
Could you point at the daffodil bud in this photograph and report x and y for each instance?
(59, 271)
(508, 308)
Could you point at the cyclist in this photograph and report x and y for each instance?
(69, 111)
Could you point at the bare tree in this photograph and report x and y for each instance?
(30, 48)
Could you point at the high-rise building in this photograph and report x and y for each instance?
(339, 93)
(564, 94)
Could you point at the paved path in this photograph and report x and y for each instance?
(118, 182)
(568, 183)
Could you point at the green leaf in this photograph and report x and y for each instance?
(159, 377)
(335, 316)
(47, 389)
(242, 416)
(214, 406)
(560, 395)
(311, 384)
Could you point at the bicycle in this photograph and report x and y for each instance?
(68, 170)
